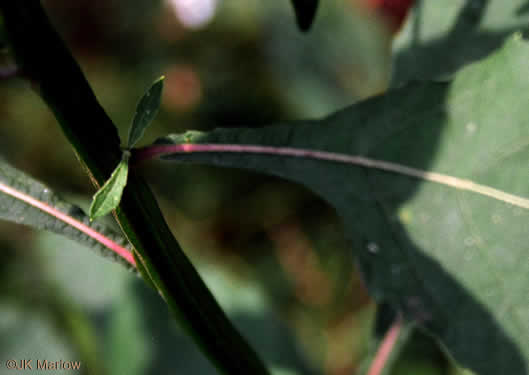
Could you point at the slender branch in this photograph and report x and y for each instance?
(386, 348)
(45, 60)
(151, 152)
(105, 241)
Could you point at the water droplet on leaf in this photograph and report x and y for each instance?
(373, 247)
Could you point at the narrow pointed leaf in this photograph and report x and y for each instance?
(432, 182)
(305, 12)
(145, 112)
(26, 201)
(108, 197)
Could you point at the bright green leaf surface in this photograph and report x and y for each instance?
(145, 111)
(305, 12)
(30, 334)
(442, 36)
(454, 261)
(108, 197)
(17, 210)
(63, 268)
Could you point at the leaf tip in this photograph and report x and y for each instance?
(305, 13)
(92, 215)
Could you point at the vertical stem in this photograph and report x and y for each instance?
(44, 59)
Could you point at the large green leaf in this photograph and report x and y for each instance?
(26, 201)
(450, 254)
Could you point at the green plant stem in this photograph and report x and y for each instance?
(44, 59)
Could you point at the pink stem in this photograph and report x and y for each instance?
(151, 152)
(385, 348)
(105, 241)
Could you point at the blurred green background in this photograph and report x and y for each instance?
(272, 252)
